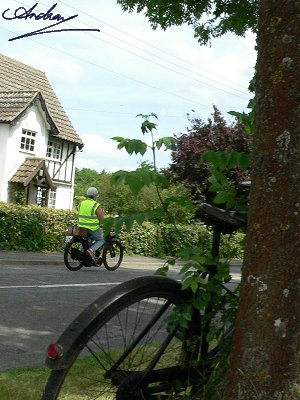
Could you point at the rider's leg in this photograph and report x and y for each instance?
(96, 236)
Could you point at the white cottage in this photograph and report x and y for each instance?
(38, 143)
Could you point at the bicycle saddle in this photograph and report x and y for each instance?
(236, 218)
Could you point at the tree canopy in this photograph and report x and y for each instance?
(119, 199)
(215, 134)
(209, 18)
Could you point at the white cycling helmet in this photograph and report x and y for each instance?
(91, 192)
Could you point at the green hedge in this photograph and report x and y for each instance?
(163, 240)
(34, 228)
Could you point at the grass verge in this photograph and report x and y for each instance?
(23, 383)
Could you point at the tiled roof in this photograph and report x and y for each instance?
(29, 169)
(13, 103)
(17, 78)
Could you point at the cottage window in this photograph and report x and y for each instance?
(28, 140)
(52, 199)
(53, 150)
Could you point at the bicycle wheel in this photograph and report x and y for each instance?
(73, 257)
(112, 254)
(128, 350)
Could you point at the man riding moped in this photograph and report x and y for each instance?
(90, 216)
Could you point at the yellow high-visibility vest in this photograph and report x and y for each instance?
(87, 217)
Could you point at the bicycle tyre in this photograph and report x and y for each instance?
(112, 254)
(71, 253)
(106, 333)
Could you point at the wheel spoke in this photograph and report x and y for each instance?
(130, 353)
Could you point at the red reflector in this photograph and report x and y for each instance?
(54, 351)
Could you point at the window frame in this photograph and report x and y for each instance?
(56, 149)
(28, 141)
(52, 198)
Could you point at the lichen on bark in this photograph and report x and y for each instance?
(266, 352)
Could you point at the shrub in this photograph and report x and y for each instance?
(164, 240)
(34, 228)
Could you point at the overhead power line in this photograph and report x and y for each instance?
(154, 55)
(116, 112)
(151, 45)
(112, 71)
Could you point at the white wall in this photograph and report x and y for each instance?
(4, 135)
(11, 156)
(32, 120)
(64, 197)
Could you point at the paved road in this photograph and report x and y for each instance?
(39, 297)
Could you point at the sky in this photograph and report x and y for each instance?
(105, 77)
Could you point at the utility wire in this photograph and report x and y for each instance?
(163, 59)
(153, 62)
(116, 112)
(151, 45)
(112, 71)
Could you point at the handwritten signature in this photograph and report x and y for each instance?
(22, 13)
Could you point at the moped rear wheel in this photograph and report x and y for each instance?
(73, 257)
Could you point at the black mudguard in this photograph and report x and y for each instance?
(72, 339)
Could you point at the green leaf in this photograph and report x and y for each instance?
(221, 198)
(223, 159)
(194, 286)
(118, 223)
(140, 218)
(245, 119)
(129, 221)
(162, 271)
(187, 315)
(118, 177)
(147, 116)
(187, 283)
(118, 139)
(131, 145)
(186, 267)
(168, 142)
(148, 126)
(245, 161)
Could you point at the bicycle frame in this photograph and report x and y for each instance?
(195, 360)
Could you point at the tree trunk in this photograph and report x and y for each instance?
(265, 358)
